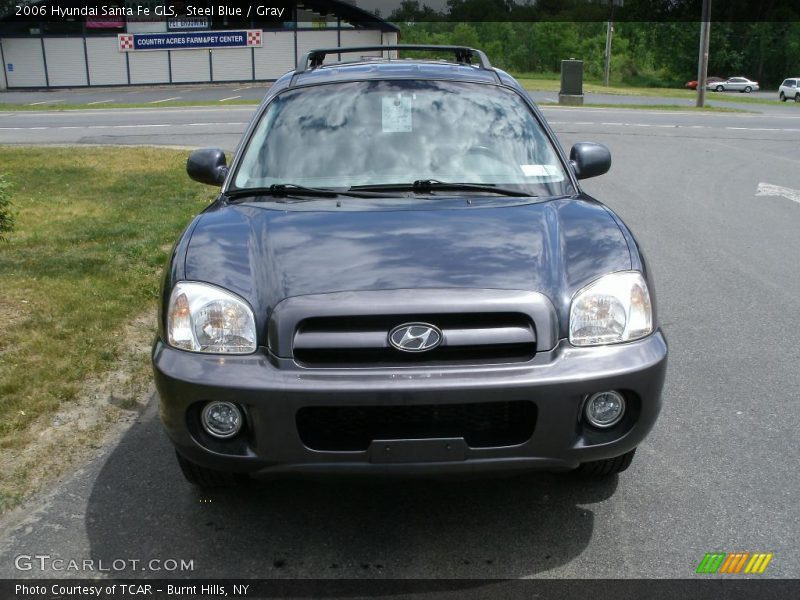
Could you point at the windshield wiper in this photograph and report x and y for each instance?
(289, 189)
(280, 191)
(424, 186)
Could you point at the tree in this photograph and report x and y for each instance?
(464, 34)
(410, 11)
(6, 217)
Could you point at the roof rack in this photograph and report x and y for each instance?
(463, 54)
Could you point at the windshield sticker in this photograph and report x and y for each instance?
(396, 114)
(540, 170)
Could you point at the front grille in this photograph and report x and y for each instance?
(353, 428)
(362, 341)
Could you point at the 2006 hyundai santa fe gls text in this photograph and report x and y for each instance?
(401, 274)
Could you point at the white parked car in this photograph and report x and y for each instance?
(790, 90)
(734, 84)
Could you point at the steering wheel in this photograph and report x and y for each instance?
(485, 151)
(488, 153)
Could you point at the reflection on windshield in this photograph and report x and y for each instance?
(381, 132)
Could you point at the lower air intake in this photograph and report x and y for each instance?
(353, 428)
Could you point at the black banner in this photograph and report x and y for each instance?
(731, 588)
(281, 12)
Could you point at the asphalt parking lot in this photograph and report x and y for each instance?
(154, 95)
(714, 200)
(239, 92)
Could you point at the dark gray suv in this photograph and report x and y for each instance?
(401, 275)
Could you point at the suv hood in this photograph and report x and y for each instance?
(268, 252)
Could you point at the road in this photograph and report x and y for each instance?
(222, 126)
(162, 126)
(238, 92)
(714, 199)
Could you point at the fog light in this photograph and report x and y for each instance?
(222, 419)
(605, 409)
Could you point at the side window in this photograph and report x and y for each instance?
(793, 83)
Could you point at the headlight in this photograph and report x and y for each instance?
(615, 308)
(205, 318)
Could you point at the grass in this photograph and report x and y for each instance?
(549, 82)
(94, 228)
(740, 98)
(674, 107)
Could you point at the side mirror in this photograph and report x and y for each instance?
(207, 165)
(589, 159)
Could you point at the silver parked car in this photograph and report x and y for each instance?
(734, 84)
(790, 90)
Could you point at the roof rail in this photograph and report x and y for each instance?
(463, 54)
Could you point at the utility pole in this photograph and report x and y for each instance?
(607, 67)
(702, 68)
(609, 35)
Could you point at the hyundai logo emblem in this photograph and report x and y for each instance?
(415, 337)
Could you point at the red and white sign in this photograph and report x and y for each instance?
(125, 41)
(254, 37)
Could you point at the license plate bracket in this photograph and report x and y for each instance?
(415, 451)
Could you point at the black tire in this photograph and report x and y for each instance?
(203, 477)
(783, 97)
(797, 97)
(719, 88)
(748, 89)
(607, 467)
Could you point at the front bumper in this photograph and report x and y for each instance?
(271, 391)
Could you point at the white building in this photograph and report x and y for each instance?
(87, 51)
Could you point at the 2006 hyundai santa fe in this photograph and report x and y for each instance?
(401, 274)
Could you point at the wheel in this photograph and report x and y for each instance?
(203, 477)
(607, 467)
(719, 88)
(748, 89)
(783, 97)
(797, 97)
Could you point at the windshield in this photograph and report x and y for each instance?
(397, 132)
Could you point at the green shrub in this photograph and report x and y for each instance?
(6, 217)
